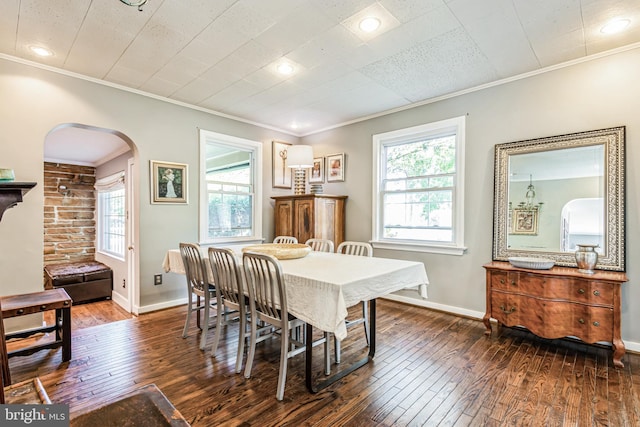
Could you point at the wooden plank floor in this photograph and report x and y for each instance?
(430, 369)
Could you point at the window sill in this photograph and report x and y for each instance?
(110, 255)
(419, 247)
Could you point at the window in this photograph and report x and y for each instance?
(230, 205)
(418, 189)
(112, 215)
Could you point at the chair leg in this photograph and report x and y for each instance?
(242, 333)
(216, 337)
(365, 316)
(336, 346)
(252, 349)
(284, 357)
(186, 323)
(198, 312)
(205, 330)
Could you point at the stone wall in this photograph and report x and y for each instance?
(69, 222)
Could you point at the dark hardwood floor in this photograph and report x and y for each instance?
(430, 369)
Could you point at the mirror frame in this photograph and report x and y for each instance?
(613, 140)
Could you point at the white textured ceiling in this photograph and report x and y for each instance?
(219, 54)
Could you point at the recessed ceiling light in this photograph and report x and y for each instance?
(369, 24)
(285, 68)
(615, 26)
(40, 51)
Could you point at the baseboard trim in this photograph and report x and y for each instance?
(161, 306)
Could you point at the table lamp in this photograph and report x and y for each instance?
(300, 158)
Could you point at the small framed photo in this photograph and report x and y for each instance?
(317, 171)
(335, 167)
(525, 221)
(169, 182)
(281, 173)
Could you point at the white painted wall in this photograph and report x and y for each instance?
(598, 94)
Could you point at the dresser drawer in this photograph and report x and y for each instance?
(553, 319)
(573, 289)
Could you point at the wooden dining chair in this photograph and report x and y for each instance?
(320, 245)
(285, 239)
(230, 288)
(357, 249)
(265, 281)
(198, 285)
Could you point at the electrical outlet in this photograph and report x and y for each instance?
(157, 279)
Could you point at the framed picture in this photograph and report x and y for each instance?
(168, 182)
(335, 167)
(317, 170)
(281, 173)
(525, 221)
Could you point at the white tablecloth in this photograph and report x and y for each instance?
(321, 286)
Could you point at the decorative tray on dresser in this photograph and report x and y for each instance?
(556, 303)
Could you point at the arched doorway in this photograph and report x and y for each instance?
(75, 156)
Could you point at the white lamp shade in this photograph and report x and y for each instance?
(300, 156)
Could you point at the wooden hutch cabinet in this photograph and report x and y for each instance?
(306, 216)
(557, 303)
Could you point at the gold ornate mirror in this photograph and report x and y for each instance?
(554, 193)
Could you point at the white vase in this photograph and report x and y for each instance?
(587, 258)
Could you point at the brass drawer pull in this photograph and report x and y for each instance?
(581, 291)
(43, 307)
(581, 321)
(502, 281)
(20, 311)
(596, 293)
(505, 311)
(514, 283)
(596, 323)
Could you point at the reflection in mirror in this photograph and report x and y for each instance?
(554, 193)
(553, 179)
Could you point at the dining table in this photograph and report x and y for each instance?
(321, 286)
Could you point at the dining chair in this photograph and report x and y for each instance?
(198, 285)
(357, 249)
(320, 245)
(265, 280)
(285, 239)
(230, 288)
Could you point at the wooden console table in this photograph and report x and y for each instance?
(557, 303)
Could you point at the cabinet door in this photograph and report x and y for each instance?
(284, 218)
(325, 225)
(303, 221)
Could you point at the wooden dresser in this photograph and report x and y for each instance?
(307, 216)
(557, 303)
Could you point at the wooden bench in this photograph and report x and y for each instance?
(37, 302)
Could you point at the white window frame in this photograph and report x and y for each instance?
(103, 186)
(429, 130)
(256, 177)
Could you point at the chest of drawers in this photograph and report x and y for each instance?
(557, 303)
